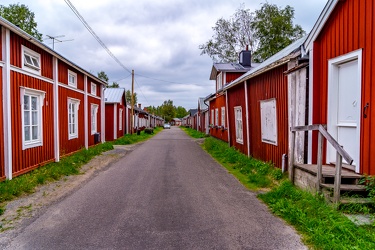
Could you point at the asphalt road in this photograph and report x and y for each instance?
(166, 194)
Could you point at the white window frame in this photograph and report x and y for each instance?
(212, 116)
(120, 119)
(219, 81)
(93, 89)
(238, 124)
(94, 118)
(74, 76)
(40, 95)
(216, 117)
(268, 120)
(223, 116)
(75, 102)
(34, 65)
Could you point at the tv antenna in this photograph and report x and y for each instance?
(55, 40)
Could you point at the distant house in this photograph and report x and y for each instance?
(176, 122)
(203, 116)
(193, 118)
(223, 74)
(50, 106)
(115, 113)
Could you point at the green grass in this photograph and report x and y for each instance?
(320, 224)
(134, 138)
(194, 133)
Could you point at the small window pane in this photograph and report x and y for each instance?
(34, 118)
(27, 133)
(35, 132)
(26, 103)
(34, 103)
(26, 117)
(35, 62)
(28, 59)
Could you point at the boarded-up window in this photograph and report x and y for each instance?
(268, 121)
(120, 119)
(216, 117)
(212, 116)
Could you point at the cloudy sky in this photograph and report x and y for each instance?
(159, 39)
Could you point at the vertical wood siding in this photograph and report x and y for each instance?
(236, 97)
(232, 76)
(68, 146)
(272, 84)
(16, 55)
(26, 160)
(2, 167)
(63, 75)
(92, 100)
(109, 126)
(217, 103)
(350, 27)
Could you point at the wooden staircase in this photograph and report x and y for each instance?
(339, 184)
(350, 189)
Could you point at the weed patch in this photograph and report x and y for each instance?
(194, 133)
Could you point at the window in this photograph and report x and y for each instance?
(72, 79)
(268, 121)
(216, 117)
(94, 118)
(212, 116)
(32, 125)
(219, 81)
(93, 88)
(30, 60)
(238, 124)
(223, 116)
(120, 119)
(73, 106)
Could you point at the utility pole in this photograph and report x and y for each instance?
(132, 105)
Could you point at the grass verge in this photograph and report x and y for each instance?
(321, 225)
(194, 133)
(134, 138)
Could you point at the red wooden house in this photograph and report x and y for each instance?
(342, 57)
(51, 107)
(223, 74)
(115, 113)
(203, 118)
(258, 116)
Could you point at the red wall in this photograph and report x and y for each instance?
(236, 97)
(69, 146)
(2, 169)
(25, 160)
(217, 103)
(272, 84)
(349, 28)
(109, 113)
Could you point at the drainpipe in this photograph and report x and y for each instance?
(284, 158)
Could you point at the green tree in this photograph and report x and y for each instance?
(128, 97)
(168, 110)
(114, 85)
(103, 76)
(274, 30)
(180, 112)
(230, 37)
(21, 16)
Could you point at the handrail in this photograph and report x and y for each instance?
(341, 153)
(328, 137)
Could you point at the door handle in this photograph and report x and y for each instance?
(365, 109)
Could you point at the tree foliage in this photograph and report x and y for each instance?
(128, 97)
(168, 111)
(266, 32)
(230, 37)
(274, 30)
(21, 16)
(103, 76)
(114, 85)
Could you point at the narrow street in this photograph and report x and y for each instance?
(166, 194)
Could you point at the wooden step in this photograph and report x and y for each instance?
(346, 187)
(354, 200)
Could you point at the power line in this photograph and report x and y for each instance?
(141, 91)
(83, 21)
(165, 80)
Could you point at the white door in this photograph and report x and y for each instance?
(344, 108)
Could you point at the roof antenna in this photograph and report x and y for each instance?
(55, 40)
